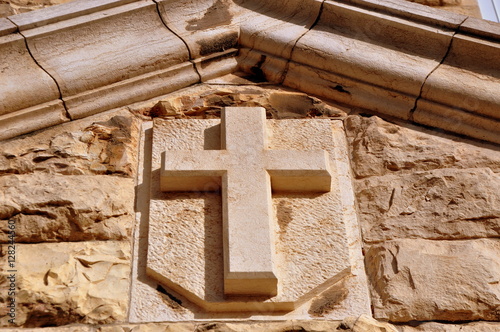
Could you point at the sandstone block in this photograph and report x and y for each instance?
(63, 283)
(352, 66)
(23, 110)
(379, 147)
(422, 280)
(98, 68)
(441, 204)
(437, 327)
(104, 144)
(66, 208)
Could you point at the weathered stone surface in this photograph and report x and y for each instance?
(380, 147)
(440, 204)
(206, 102)
(365, 323)
(437, 327)
(425, 280)
(344, 58)
(66, 208)
(139, 58)
(105, 144)
(23, 110)
(21, 6)
(62, 283)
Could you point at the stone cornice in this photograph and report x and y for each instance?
(395, 58)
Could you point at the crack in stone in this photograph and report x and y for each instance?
(412, 111)
(68, 115)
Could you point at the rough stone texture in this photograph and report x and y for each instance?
(61, 283)
(351, 324)
(206, 102)
(50, 208)
(414, 184)
(439, 204)
(104, 144)
(426, 280)
(437, 327)
(380, 147)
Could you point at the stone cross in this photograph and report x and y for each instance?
(246, 170)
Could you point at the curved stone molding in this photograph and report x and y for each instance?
(210, 31)
(367, 59)
(112, 58)
(393, 58)
(23, 109)
(462, 95)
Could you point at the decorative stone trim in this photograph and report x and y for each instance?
(393, 58)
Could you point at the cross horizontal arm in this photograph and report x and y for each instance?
(304, 171)
(192, 170)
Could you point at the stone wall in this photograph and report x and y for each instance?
(428, 202)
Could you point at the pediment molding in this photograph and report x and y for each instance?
(392, 58)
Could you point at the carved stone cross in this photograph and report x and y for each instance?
(246, 170)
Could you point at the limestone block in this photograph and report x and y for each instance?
(422, 280)
(437, 327)
(365, 323)
(346, 56)
(207, 27)
(70, 328)
(440, 204)
(461, 95)
(379, 147)
(101, 144)
(273, 27)
(23, 110)
(6, 27)
(98, 68)
(217, 64)
(62, 283)
(262, 66)
(70, 9)
(48, 208)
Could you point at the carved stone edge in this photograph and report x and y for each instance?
(447, 35)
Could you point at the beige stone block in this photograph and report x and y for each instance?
(24, 110)
(414, 12)
(263, 67)
(68, 10)
(62, 283)
(161, 327)
(32, 118)
(101, 144)
(98, 68)
(216, 65)
(18, 66)
(439, 327)
(422, 280)
(49, 208)
(6, 27)
(359, 44)
(207, 27)
(441, 204)
(365, 323)
(379, 147)
(71, 328)
(274, 27)
(199, 214)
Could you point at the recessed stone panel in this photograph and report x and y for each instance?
(317, 254)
